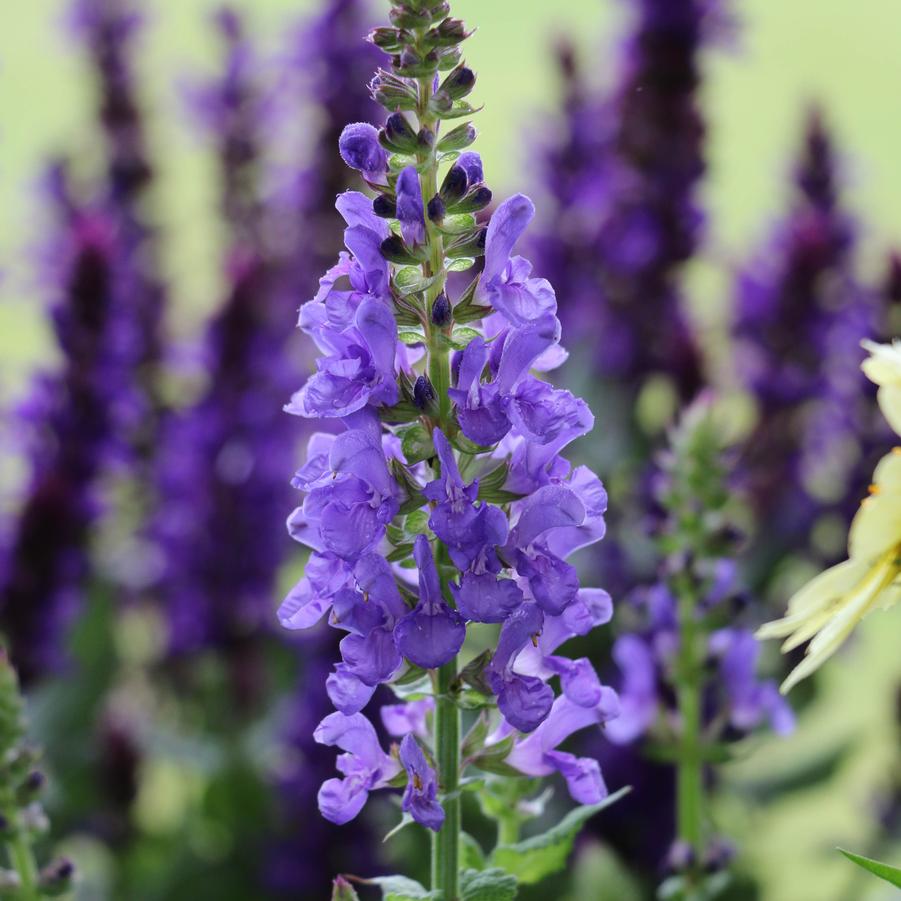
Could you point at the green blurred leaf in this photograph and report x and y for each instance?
(416, 444)
(400, 888)
(533, 859)
(884, 871)
(487, 885)
(472, 857)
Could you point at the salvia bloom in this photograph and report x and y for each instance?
(622, 181)
(109, 30)
(69, 417)
(443, 502)
(222, 459)
(688, 670)
(23, 818)
(800, 316)
(827, 610)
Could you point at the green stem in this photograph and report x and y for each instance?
(23, 863)
(690, 773)
(508, 830)
(446, 843)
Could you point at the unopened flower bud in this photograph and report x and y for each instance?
(681, 857)
(448, 33)
(459, 83)
(399, 135)
(405, 17)
(30, 787)
(474, 201)
(423, 393)
(385, 206)
(436, 209)
(441, 310)
(459, 139)
(425, 140)
(395, 251)
(388, 39)
(56, 878)
(453, 188)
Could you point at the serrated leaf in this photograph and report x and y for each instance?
(487, 885)
(416, 444)
(410, 337)
(533, 859)
(400, 888)
(472, 857)
(885, 871)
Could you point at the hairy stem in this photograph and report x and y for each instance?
(22, 861)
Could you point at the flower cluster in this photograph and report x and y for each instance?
(444, 502)
(21, 813)
(622, 184)
(69, 418)
(800, 315)
(826, 611)
(109, 30)
(688, 668)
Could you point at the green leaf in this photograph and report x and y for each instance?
(410, 336)
(885, 871)
(472, 857)
(417, 523)
(487, 885)
(461, 337)
(415, 690)
(405, 820)
(400, 554)
(399, 888)
(532, 860)
(462, 264)
(405, 411)
(416, 444)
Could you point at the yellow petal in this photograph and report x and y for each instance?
(889, 399)
(815, 600)
(883, 366)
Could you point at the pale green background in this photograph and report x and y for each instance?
(844, 53)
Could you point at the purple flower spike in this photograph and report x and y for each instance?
(360, 149)
(422, 789)
(364, 765)
(433, 633)
(410, 210)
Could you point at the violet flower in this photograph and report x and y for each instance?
(800, 316)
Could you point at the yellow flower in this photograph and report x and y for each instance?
(827, 609)
(884, 368)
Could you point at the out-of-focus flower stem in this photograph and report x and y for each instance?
(689, 773)
(22, 859)
(446, 842)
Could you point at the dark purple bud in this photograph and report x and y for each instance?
(459, 83)
(31, 787)
(398, 134)
(395, 251)
(388, 39)
(441, 310)
(405, 17)
(423, 393)
(56, 877)
(453, 188)
(681, 857)
(718, 854)
(425, 140)
(449, 33)
(474, 201)
(458, 139)
(392, 92)
(437, 210)
(469, 245)
(385, 206)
